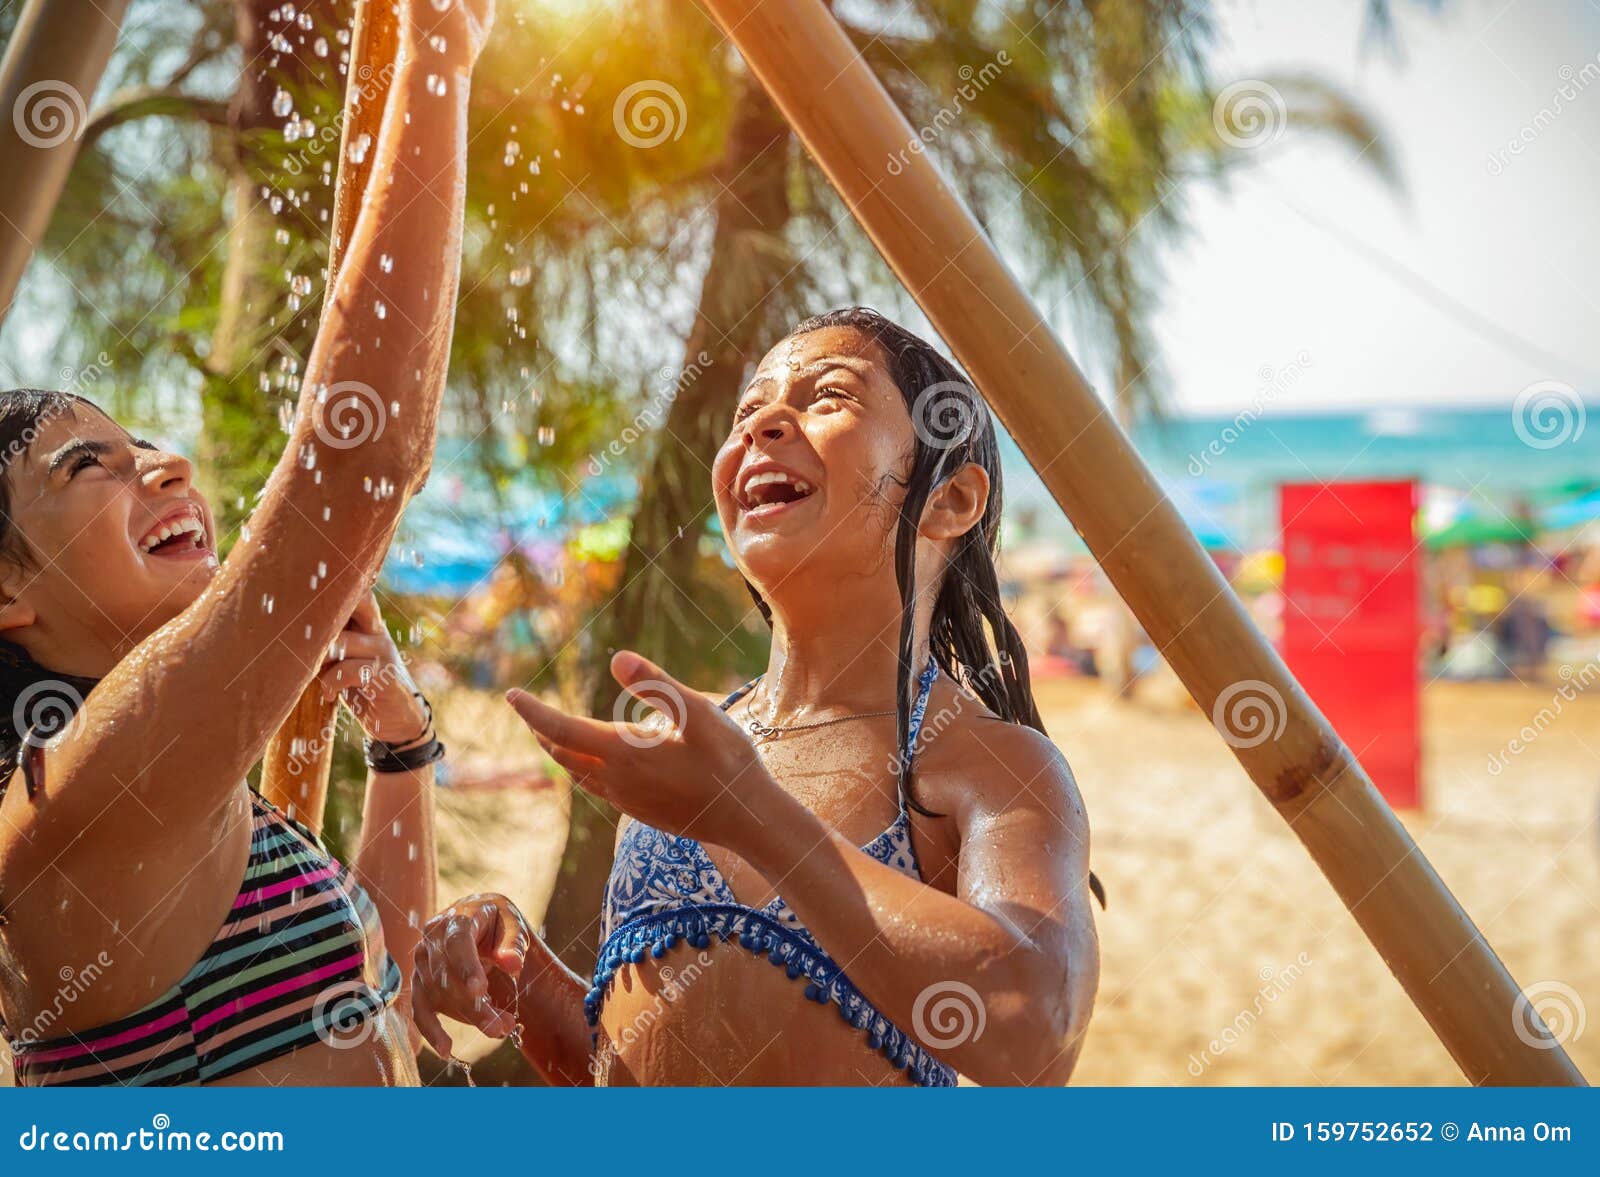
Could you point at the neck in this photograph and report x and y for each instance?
(842, 660)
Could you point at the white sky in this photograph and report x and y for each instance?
(1257, 283)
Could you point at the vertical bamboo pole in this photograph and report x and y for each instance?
(294, 770)
(860, 139)
(51, 70)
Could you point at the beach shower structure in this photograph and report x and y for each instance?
(864, 144)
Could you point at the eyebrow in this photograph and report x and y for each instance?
(816, 368)
(67, 453)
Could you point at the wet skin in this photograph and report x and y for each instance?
(131, 852)
(1002, 907)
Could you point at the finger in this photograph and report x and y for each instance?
(352, 643)
(511, 945)
(588, 736)
(653, 686)
(422, 1011)
(344, 675)
(367, 618)
(585, 771)
(461, 954)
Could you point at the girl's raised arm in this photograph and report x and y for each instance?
(182, 719)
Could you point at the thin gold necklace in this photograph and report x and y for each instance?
(772, 731)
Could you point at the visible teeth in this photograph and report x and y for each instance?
(188, 524)
(767, 477)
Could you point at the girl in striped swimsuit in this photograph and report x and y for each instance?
(160, 923)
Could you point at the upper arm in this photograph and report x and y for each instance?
(1024, 855)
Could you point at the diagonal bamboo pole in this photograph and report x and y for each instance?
(51, 69)
(295, 767)
(853, 130)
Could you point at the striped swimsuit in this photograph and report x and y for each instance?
(299, 959)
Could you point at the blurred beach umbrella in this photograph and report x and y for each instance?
(1576, 512)
(1482, 528)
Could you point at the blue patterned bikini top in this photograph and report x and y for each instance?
(665, 890)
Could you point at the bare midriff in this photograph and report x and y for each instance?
(719, 1016)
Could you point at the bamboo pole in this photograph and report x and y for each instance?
(853, 130)
(50, 71)
(295, 767)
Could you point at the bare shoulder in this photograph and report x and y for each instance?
(982, 764)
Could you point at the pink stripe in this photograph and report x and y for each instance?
(57, 1053)
(260, 893)
(243, 1003)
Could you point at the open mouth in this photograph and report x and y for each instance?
(182, 533)
(767, 490)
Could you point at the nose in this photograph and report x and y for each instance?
(772, 422)
(161, 471)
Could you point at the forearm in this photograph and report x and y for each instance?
(335, 498)
(396, 863)
(553, 1033)
(899, 939)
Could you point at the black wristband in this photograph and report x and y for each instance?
(383, 757)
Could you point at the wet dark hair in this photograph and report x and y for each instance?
(952, 426)
(35, 703)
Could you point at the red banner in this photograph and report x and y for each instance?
(1352, 620)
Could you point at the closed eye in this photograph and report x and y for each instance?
(79, 457)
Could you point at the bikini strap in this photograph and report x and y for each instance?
(740, 693)
(919, 709)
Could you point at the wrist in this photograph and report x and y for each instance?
(779, 831)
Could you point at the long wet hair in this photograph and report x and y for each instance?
(35, 703)
(970, 636)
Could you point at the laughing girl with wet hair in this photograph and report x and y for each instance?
(869, 865)
(141, 677)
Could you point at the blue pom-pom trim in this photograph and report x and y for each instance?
(796, 953)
